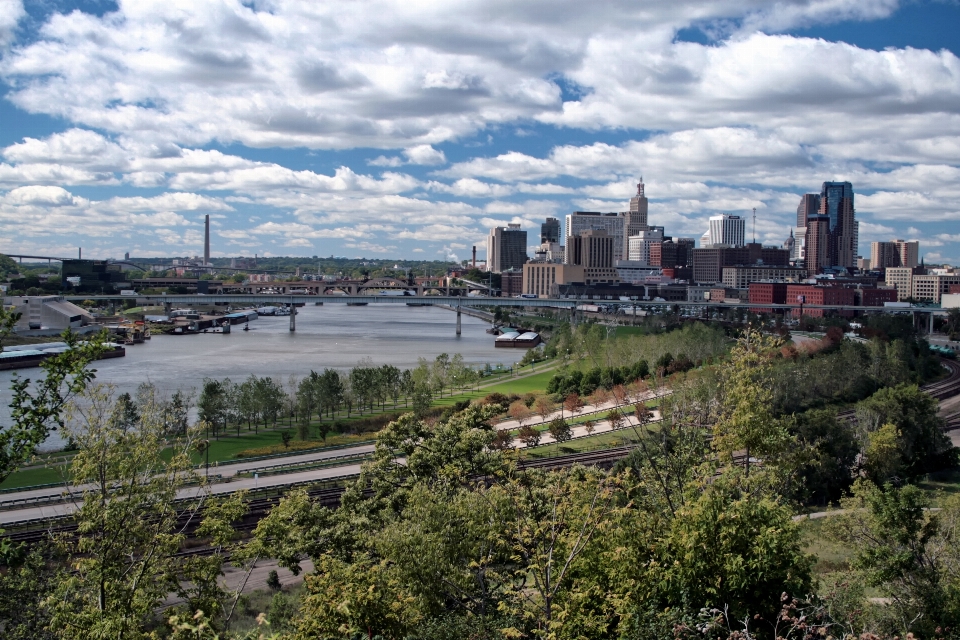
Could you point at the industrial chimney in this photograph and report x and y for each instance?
(474, 256)
(206, 240)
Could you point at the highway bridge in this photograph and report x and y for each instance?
(169, 301)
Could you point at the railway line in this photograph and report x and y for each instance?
(330, 496)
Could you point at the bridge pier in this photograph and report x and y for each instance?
(458, 318)
(573, 316)
(167, 308)
(930, 324)
(293, 318)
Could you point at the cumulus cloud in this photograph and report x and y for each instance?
(11, 12)
(752, 119)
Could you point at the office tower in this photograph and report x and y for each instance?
(836, 202)
(640, 247)
(550, 231)
(677, 252)
(800, 244)
(819, 245)
(809, 206)
(727, 230)
(635, 220)
(506, 248)
(612, 223)
(593, 248)
(594, 251)
(206, 240)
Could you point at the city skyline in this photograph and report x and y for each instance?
(410, 133)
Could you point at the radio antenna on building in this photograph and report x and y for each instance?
(754, 225)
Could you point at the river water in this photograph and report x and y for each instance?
(333, 335)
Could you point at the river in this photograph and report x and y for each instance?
(333, 335)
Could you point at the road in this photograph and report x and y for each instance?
(43, 512)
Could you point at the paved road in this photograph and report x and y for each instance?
(228, 470)
(57, 510)
(43, 512)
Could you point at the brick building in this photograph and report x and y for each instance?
(808, 294)
(767, 293)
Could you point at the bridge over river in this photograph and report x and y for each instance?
(457, 302)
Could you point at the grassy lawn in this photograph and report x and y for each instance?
(589, 443)
(831, 556)
(946, 482)
(530, 384)
(31, 477)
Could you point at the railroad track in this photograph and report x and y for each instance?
(606, 458)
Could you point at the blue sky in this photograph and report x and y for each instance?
(399, 129)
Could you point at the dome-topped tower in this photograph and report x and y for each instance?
(789, 244)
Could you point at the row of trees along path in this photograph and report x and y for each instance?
(319, 399)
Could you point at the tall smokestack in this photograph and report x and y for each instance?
(474, 256)
(206, 240)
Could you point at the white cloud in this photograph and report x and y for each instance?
(424, 154)
(11, 12)
(751, 120)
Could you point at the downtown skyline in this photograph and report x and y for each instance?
(386, 131)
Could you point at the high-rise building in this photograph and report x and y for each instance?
(677, 252)
(640, 247)
(819, 248)
(896, 253)
(800, 244)
(836, 202)
(635, 220)
(595, 251)
(909, 252)
(809, 206)
(612, 223)
(550, 231)
(884, 255)
(506, 248)
(726, 230)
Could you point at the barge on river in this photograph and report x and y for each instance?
(26, 356)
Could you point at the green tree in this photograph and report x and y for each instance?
(746, 421)
(560, 430)
(912, 556)
(729, 547)
(922, 444)
(212, 405)
(551, 520)
(123, 561)
(37, 407)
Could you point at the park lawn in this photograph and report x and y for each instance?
(589, 443)
(530, 384)
(32, 478)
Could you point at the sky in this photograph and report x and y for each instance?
(407, 129)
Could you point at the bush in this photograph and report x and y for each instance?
(273, 580)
